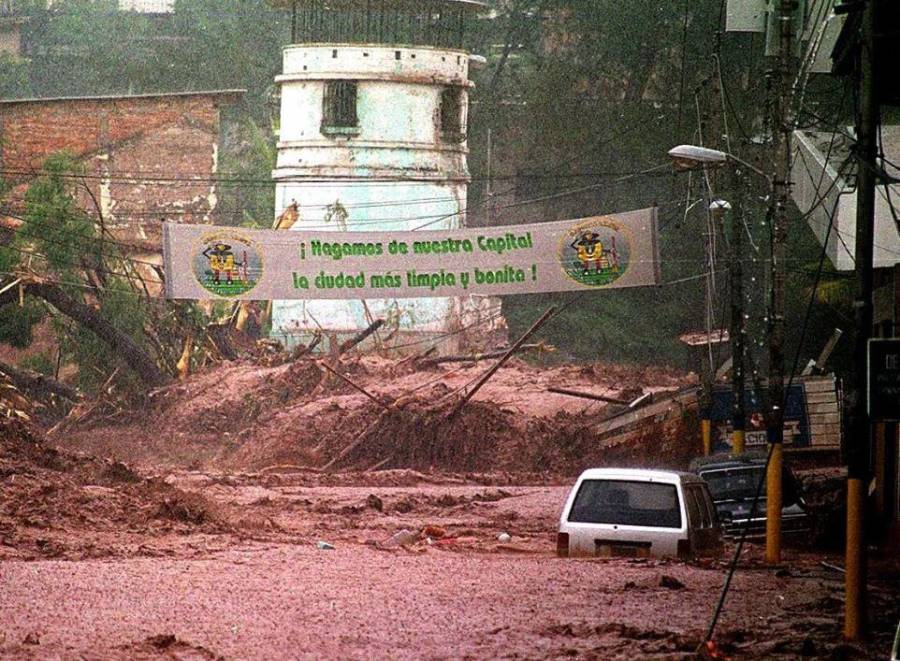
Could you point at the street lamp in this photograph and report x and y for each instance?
(692, 157)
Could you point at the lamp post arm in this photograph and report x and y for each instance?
(751, 167)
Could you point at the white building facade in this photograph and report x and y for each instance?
(374, 103)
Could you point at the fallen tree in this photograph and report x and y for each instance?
(125, 347)
(37, 384)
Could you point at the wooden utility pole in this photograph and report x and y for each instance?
(781, 129)
(859, 443)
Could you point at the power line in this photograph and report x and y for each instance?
(148, 177)
(80, 266)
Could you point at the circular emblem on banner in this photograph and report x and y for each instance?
(595, 252)
(227, 263)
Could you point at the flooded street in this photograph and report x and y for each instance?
(266, 590)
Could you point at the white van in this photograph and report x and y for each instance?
(638, 513)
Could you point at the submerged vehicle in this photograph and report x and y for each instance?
(733, 482)
(638, 513)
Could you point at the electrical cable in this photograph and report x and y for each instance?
(435, 218)
(745, 528)
(322, 181)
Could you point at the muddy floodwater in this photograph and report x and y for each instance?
(262, 588)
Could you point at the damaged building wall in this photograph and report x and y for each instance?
(146, 159)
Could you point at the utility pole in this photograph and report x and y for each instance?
(707, 366)
(859, 443)
(781, 129)
(736, 328)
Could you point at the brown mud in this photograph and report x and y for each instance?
(248, 417)
(204, 524)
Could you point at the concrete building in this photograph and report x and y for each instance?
(374, 105)
(823, 177)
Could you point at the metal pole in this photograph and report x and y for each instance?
(781, 127)
(860, 428)
(707, 367)
(737, 317)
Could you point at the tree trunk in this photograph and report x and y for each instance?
(135, 357)
(38, 384)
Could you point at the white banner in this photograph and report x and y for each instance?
(599, 252)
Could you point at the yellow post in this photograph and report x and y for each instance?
(853, 577)
(706, 432)
(774, 504)
(737, 441)
(184, 363)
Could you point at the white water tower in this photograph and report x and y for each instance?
(374, 103)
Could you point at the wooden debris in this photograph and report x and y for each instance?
(480, 356)
(359, 388)
(646, 398)
(38, 384)
(356, 442)
(506, 356)
(359, 337)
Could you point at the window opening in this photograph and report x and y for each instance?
(451, 115)
(339, 111)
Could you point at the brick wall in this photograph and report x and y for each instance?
(146, 158)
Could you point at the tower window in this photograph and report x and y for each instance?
(452, 129)
(339, 107)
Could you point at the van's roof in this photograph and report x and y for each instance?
(645, 474)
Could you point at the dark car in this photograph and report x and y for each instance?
(733, 481)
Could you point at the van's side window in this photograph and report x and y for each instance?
(693, 506)
(707, 503)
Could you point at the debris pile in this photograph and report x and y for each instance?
(59, 504)
(369, 413)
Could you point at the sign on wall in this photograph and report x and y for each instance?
(600, 252)
(796, 418)
(884, 380)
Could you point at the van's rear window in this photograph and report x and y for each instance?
(627, 503)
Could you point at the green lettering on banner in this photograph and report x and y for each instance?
(386, 281)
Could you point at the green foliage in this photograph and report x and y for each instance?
(595, 87)
(40, 363)
(54, 226)
(602, 325)
(16, 323)
(119, 305)
(87, 47)
(252, 159)
(14, 81)
(62, 243)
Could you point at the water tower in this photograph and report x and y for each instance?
(374, 103)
